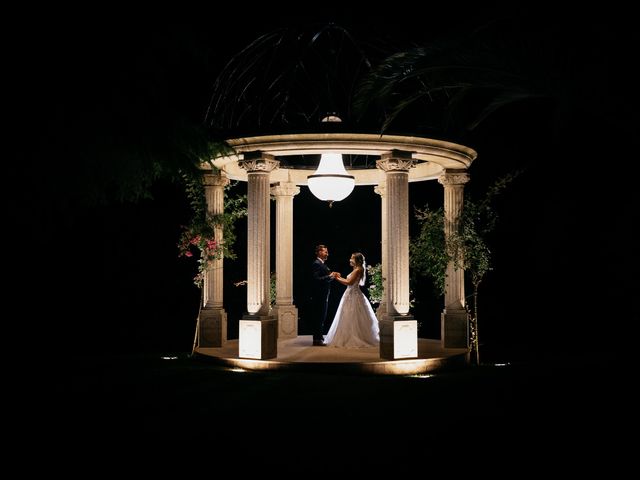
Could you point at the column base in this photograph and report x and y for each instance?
(212, 328)
(454, 328)
(258, 337)
(398, 337)
(287, 316)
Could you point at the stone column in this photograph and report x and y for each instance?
(381, 189)
(454, 325)
(285, 311)
(212, 331)
(398, 329)
(258, 330)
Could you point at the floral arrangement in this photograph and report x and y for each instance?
(208, 249)
(198, 238)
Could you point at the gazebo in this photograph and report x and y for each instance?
(402, 159)
(292, 94)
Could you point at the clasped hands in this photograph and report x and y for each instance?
(335, 275)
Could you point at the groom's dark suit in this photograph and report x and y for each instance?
(319, 297)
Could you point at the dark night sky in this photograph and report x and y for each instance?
(103, 98)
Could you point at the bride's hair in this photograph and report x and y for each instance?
(359, 259)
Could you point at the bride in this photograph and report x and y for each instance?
(355, 324)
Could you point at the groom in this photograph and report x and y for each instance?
(322, 278)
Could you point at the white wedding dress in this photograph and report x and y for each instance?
(355, 325)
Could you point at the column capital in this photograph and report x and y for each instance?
(395, 161)
(453, 178)
(258, 162)
(285, 189)
(380, 189)
(215, 179)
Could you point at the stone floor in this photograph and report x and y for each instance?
(298, 354)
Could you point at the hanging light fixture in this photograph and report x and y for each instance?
(331, 182)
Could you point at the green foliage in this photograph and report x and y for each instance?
(200, 232)
(376, 283)
(430, 251)
(272, 289)
(467, 247)
(455, 84)
(428, 254)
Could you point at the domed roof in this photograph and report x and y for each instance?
(289, 79)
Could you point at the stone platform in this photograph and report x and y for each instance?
(297, 354)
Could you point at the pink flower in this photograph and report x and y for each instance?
(208, 250)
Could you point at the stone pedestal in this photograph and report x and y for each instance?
(258, 337)
(212, 328)
(287, 316)
(398, 337)
(454, 326)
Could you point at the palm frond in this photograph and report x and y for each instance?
(477, 76)
(502, 100)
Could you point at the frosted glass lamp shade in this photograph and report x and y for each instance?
(331, 182)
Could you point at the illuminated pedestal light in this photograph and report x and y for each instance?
(399, 338)
(258, 338)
